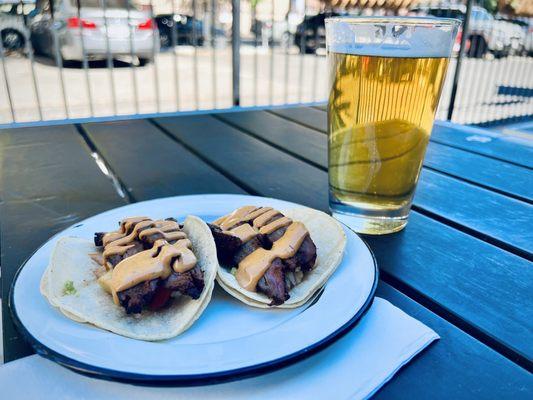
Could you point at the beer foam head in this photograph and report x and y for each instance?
(391, 36)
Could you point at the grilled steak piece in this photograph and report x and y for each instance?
(227, 245)
(272, 237)
(149, 240)
(283, 275)
(116, 258)
(247, 248)
(304, 258)
(134, 299)
(190, 283)
(156, 293)
(273, 283)
(98, 237)
(277, 275)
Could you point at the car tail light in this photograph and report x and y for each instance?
(75, 22)
(459, 37)
(148, 24)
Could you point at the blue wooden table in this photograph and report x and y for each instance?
(463, 265)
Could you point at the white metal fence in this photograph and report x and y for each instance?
(66, 59)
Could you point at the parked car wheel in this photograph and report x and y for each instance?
(166, 41)
(501, 54)
(477, 47)
(305, 48)
(145, 61)
(12, 40)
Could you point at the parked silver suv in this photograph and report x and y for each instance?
(130, 30)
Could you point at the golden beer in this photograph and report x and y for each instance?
(380, 115)
(386, 76)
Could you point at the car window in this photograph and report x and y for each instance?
(481, 15)
(6, 8)
(445, 13)
(456, 14)
(120, 4)
(16, 8)
(436, 12)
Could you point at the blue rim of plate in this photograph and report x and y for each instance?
(197, 379)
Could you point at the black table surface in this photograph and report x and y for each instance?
(462, 265)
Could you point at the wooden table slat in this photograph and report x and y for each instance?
(455, 367)
(307, 116)
(48, 181)
(500, 176)
(152, 165)
(461, 163)
(502, 219)
(302, 142)
(482, 288)
(500, 146)
(245, 158)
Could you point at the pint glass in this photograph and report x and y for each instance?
(386, 76)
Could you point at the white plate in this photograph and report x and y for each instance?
(229, 341)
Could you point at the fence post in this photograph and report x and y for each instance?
(235, 50)
(464, 36)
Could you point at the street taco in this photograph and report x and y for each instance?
(149, 280)
(270, 258)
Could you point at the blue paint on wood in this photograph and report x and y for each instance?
(254, 164)
(517, 150)
(477, 283)
(302, 142)
(167, 168)
(497, 175)
(455, 367)
(492, 214)
(48, 181)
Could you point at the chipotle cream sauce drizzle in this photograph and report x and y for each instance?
(244, 232)
(275, 225)
(264, 218)
(258, 216)
(125, 226)
(157, 262)
(230, 220)
(252, 268)
(118, 242)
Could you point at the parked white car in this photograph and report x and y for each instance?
(131, 31)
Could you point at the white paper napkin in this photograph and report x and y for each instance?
(354, 367)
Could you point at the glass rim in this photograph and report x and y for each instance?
(407, 20)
